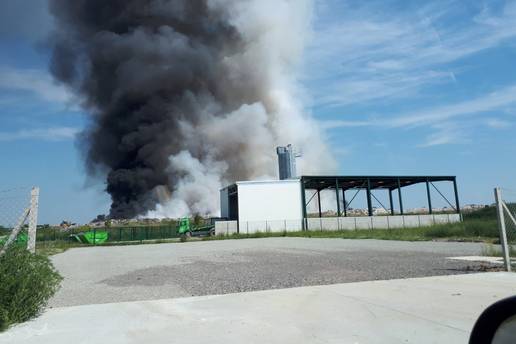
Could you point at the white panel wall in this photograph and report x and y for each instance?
(226, 227)
(269, 201)
(337, 223)
(224, 203)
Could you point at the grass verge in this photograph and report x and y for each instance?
(472, 230)
(494, 251)
(480, 226)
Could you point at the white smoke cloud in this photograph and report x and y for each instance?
(275, 33)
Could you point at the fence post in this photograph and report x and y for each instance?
(33, 219)
(501, 226)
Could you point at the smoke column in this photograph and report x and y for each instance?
(185, 96)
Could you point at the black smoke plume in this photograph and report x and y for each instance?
(176, 91)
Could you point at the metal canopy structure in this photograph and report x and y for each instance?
(341, 184)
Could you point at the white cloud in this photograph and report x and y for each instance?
(343, 124)
(490, 102)
(440, 118)
(371, 52)
(445, 134)
(35, 81)
(495, 101)
(46, 134)
(496, 123)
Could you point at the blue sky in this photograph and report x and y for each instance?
(426, 88)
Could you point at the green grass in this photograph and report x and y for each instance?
(441, 232)
(478, 226)
(470, 230)
(474, 228)
(493, 251)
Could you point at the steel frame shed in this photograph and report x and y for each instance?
(369, 183)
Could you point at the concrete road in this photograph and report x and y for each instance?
(149, 272)
(425, 310)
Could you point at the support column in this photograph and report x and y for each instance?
(455, 189)
(344, 202)
(303, 205)
(430, 211)
(337, 196)
(390, 202)
(369, 201)
(399, 197)
(319, 202)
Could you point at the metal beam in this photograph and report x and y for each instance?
(303, 202)
(390, 202)
(429, 197)
(319, 202)
(440, 193)
(456, 191)
(337, 196)
(377, 200)
(369, 201)
(400, 198)
(344, 202)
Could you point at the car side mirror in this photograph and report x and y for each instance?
(497, 324)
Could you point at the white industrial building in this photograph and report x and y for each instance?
(281, 205)
(262, 205)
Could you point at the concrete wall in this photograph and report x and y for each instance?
(269, 201)
(226, 227)
(380, 222)
(251, 227)
(337, 223)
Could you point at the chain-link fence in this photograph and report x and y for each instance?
(18, 217)
(506, 210)
(13, 202)
(111, 234)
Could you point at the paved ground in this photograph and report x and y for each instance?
(149, 272)
(425, 310)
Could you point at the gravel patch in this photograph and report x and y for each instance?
(130, 273)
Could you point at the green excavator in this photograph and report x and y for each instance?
(185, 228)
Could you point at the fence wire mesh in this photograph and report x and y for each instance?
(13, 202)
(509, 199)
(506, 207)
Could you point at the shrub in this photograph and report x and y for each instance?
(482, 227)
(27, 282)
(444, 231)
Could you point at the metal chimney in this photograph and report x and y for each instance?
(286, 162)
